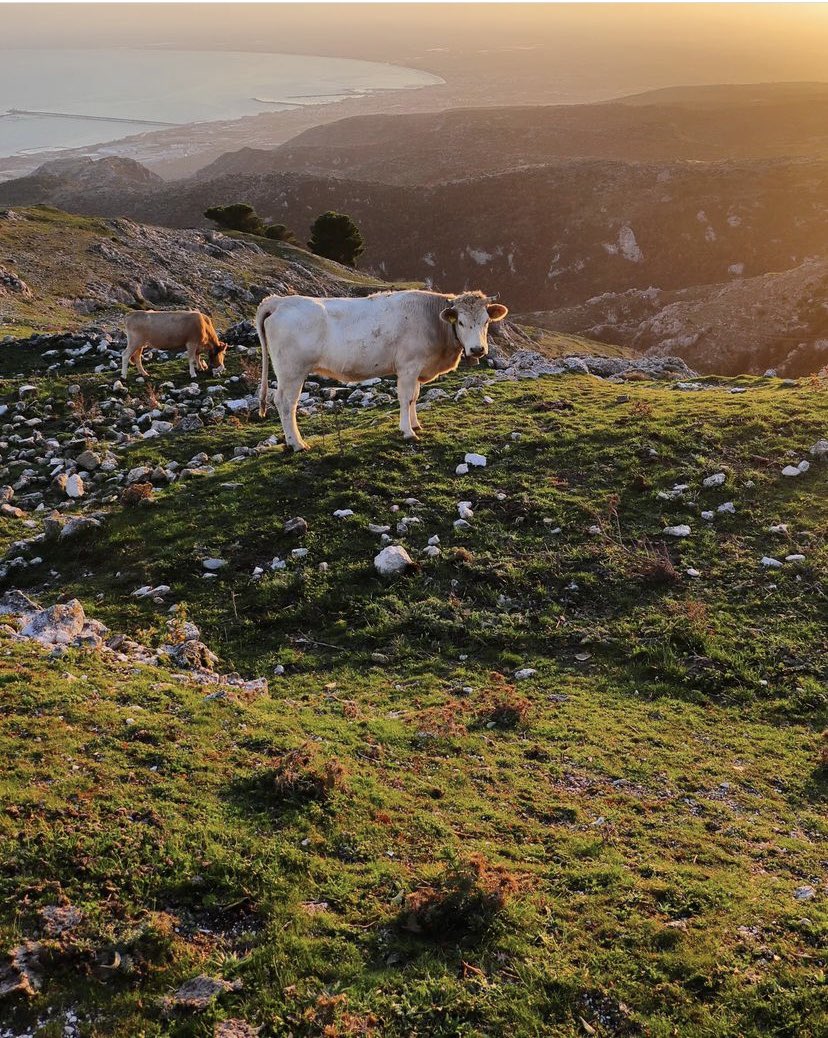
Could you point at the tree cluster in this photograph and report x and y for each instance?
(333, 235)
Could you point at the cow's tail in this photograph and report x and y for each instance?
(266, 308)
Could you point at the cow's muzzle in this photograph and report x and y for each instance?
(476, 351)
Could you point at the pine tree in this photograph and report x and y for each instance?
(337, 237)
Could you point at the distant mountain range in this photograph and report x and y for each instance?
(598, 216)
(693, 124)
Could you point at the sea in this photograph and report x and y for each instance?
(52, 99)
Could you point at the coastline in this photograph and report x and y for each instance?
(179, 150)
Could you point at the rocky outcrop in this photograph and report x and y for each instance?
(10, 284)
(66, 626)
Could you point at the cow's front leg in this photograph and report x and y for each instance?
(407, 390)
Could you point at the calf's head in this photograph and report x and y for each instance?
(469, 316)
(217, 351)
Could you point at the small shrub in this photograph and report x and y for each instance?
(136, 493)
(331, 1017)
(251, 371)
(462, 903)
(83, 406)
(651, 564)
(278, 232)
(303, 774)
(236, 217)
(693, 612)
(506, 709)
(822, 761)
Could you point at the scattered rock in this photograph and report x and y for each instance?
(75, 486)
(198, 993)
(682, 530)
(58, 625)
(22, 975)
(212, 565)
(60, 919)
(235, 1028)
(297, 525)
(804, 893)
(78, 524)
(88, 461)
(393, 560)
(192, 655)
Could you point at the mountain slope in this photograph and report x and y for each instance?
(545, 238)
(662, 126)
(73, 269)
(404, 836)
(777, 320)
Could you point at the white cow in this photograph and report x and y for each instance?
(414, 335)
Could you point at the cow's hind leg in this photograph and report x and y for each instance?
(415, 421)
(287, 399)
(407, 391)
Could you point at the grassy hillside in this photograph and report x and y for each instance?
(403, 837)
(83, 270)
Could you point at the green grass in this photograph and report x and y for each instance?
(657, 801)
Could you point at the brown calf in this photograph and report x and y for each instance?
(172, 330)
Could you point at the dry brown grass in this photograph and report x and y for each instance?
(250, 371)
(305, 774)
(651, 564)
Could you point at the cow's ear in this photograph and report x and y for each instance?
(449, 315)
(497, 311)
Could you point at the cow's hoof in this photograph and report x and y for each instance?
(410, 438)
(297, 447)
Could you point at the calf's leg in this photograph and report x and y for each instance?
(139, 362)
(192, 353)
(133, 346)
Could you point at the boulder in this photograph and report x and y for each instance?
(75, 486)
(78, 524)
(393, 560)
(58, 625)
(88, 461)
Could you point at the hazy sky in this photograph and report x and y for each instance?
(673, 43)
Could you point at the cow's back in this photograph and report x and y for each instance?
(168, 328)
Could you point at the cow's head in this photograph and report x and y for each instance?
(469, 316)
(217, 351)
